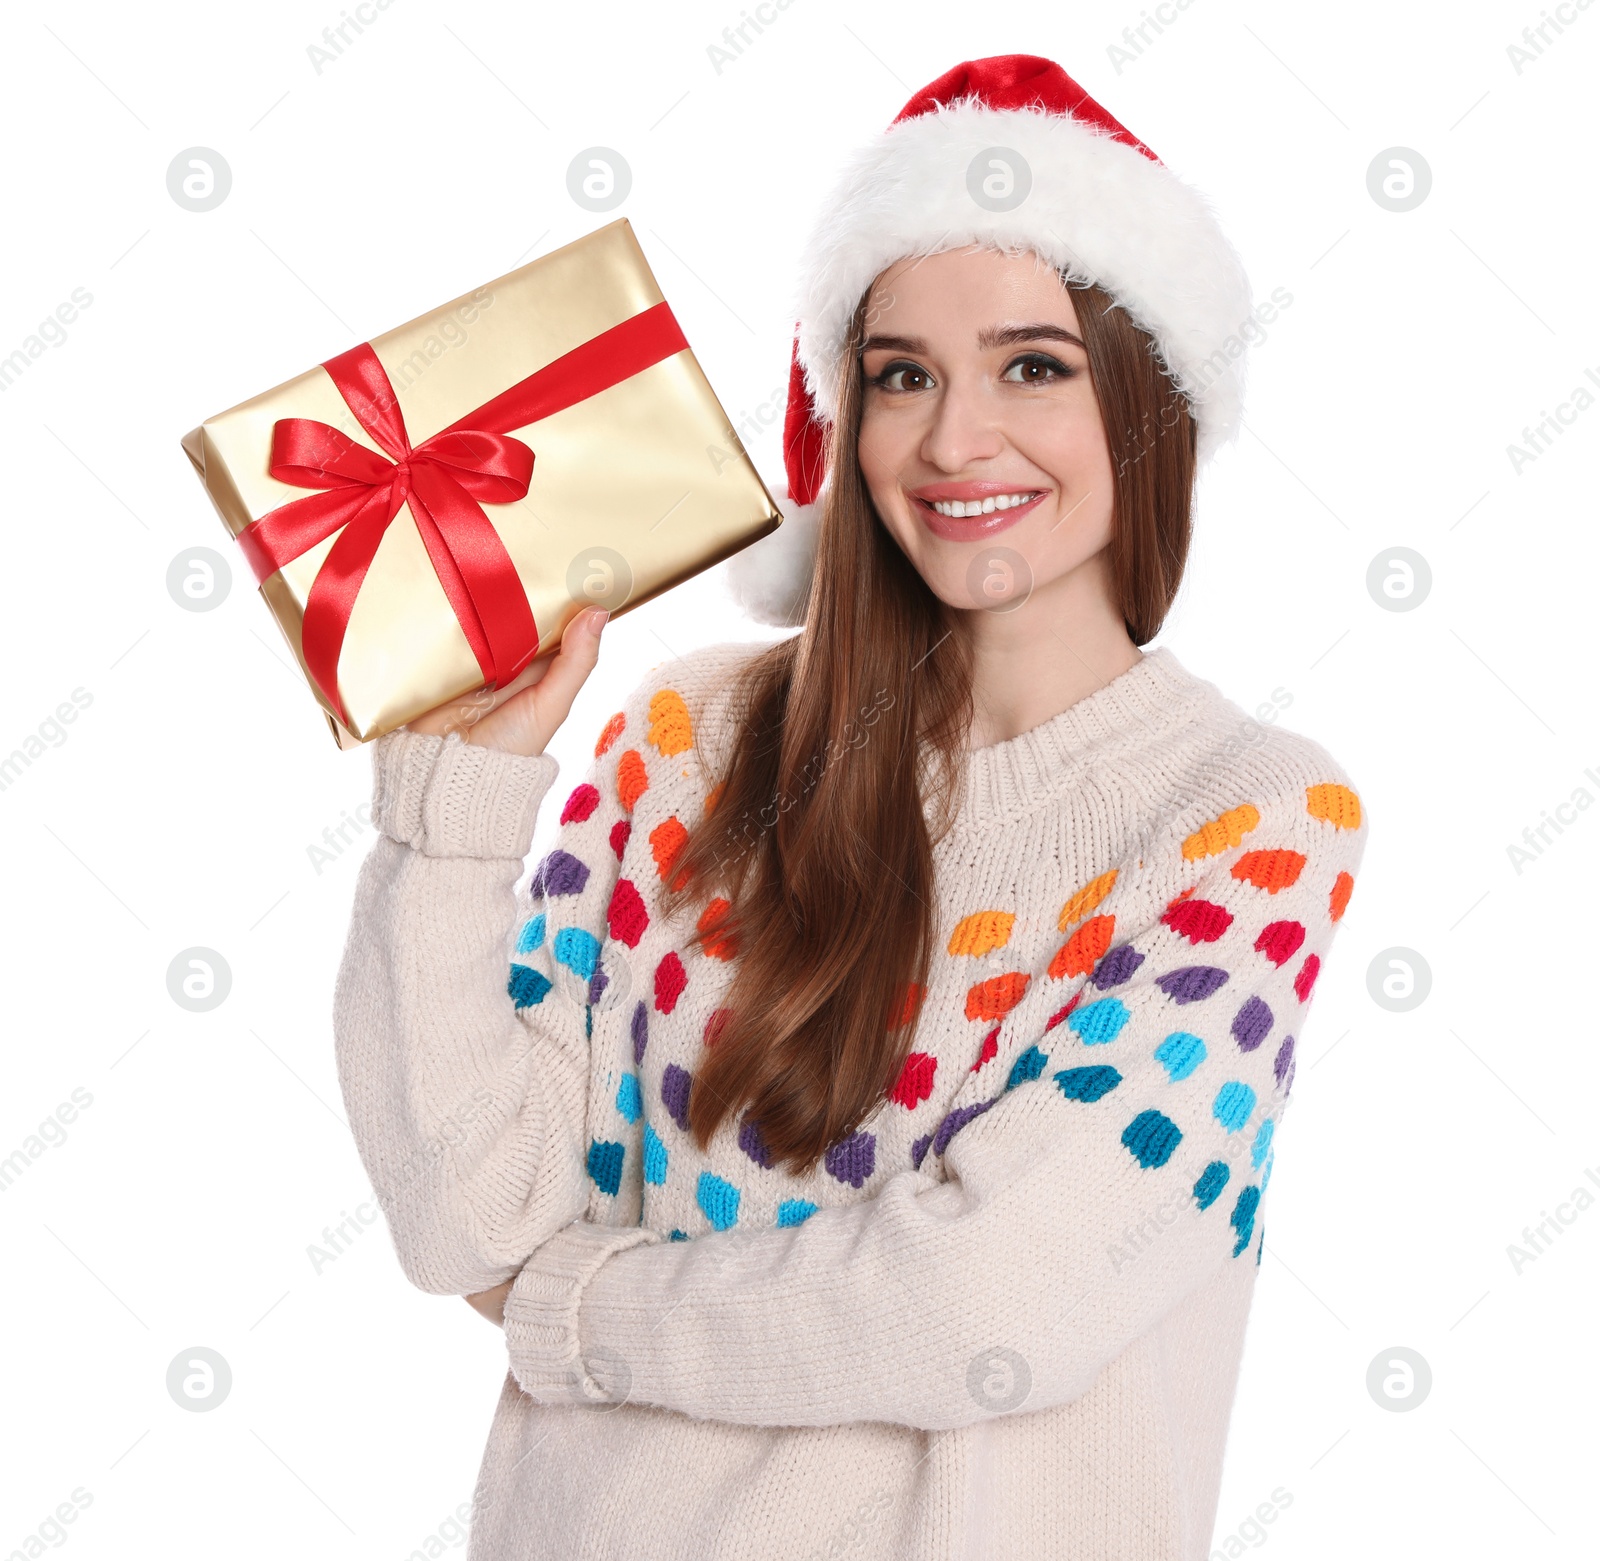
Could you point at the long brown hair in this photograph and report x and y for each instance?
(815, 858)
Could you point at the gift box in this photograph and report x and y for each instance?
(426, 512)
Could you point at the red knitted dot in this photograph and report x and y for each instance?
(671, 979)
(1307, 977)
(1061, 1013)
(1199, 921)
(580, 804)
(619, 835)
(716, 1024)
(991, 1044)
(915, 1083)
(1278, 940)
(626, 915)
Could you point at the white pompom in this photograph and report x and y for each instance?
(771, 579)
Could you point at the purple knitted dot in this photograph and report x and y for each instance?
(1252, 1024)
(1283, 1064)
(919, 1149)
(1116, 966)
(954, 1122)
(851, 1159)
(675, 1084)
(559, 873)
(1192, 983)
(751, 1142)
(598, 982)
(641, 1032)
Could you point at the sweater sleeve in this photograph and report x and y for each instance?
(461, 1028)
(1120, 1167)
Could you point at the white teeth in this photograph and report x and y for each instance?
(958, 509)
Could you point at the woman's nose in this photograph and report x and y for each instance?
(963, 429)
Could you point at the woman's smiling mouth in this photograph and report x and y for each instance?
(971, 511)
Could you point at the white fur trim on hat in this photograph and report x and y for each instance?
(771, 579)
(1097, 209)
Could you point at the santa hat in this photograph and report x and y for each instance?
(1084, 193)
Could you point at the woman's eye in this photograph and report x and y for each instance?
(1038, 369)
(902, 376)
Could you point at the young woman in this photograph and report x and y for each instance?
(865, 1147)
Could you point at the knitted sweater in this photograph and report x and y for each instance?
(1002, 1318)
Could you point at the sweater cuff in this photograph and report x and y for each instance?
(446, 797)
(548, 1358)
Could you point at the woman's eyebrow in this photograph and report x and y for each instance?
(895, 344)
(990, 336)
(1012, 335)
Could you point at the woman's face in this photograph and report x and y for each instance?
(981, 441)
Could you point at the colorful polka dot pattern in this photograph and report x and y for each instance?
(1175, 1042)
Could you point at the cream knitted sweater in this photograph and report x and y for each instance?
(1004, 1318)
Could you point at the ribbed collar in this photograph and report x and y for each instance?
(1120, 718)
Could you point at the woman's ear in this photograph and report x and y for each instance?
(771, 579)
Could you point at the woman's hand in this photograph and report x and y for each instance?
(523, 717)
(492, 1303)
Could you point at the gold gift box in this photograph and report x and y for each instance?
(634, 489)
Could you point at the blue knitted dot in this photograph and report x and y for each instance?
(1233, 1105)
(1212, 1180)
(527, 986)
(718, 1200)
(1180, 1054)
(795, 1211)
(678, 1235)
(1243, 1218)
(1266, 1170)
(578, 950)
(532, 934)
(1150, 1138)
(605, 1165)
(1259, 1149)
(1027, 1066)
(655, 1157)
(1099, 1022)
(1087, 1083)
(629, 1102)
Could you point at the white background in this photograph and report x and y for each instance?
(429, 156)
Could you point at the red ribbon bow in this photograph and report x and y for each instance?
(447, 479)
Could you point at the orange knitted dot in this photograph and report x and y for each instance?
(611, 732)
(1223, 832)
(632, 781)
(718, 946)
(1082, 951)
(1340, 896)
(1338, 804)
(996, 997)
(666, 841)
(981, 933)
(671, 730)
(1085, 900)
(712, 796)
(905, 1010)
(1269, 870)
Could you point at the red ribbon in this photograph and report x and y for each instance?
(446, 480)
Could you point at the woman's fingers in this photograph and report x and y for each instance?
(553, 695)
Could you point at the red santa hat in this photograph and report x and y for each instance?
(1074, 186)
